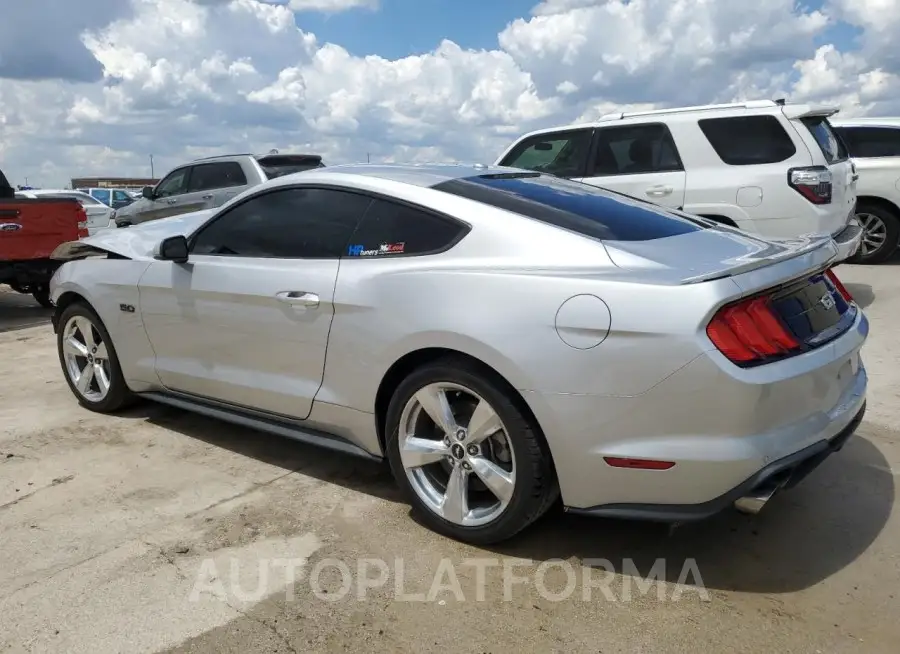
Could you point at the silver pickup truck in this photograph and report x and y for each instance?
(209, 183)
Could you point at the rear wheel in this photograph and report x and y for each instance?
(471, 462)
(42, 295)
(89, 361)
(881, 232)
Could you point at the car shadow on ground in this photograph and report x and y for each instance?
(362, 475)
(801, 537)
(18, 311)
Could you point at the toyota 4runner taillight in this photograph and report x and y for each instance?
(812, 182)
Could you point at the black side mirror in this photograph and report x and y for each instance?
(543, 146)
(174, 248)
(147, 192)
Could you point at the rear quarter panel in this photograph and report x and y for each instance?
(505, 311)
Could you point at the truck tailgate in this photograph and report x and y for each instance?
(31, 229)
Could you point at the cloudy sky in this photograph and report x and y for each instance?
(97, 86)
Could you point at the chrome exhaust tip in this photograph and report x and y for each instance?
(756, 500)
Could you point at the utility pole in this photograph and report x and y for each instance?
(152, 176)
(367, 158)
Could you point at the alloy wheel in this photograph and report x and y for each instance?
(874, 233)
(457, 454)
(86, 358)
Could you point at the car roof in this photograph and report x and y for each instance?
(866, 122)
(706, 111)
(424, 175)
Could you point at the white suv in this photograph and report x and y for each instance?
(874, 145)
(774, 169)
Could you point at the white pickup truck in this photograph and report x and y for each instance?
(210, 183)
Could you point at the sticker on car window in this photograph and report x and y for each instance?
(385, 248)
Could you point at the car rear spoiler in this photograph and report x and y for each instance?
(816, 243)
(798, 111)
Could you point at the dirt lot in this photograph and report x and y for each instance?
(162, 531)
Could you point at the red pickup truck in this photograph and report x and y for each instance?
(30, 229)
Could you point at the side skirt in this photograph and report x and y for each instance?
(273, 424)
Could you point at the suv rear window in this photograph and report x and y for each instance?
(748, 140)
(831, 144)
(577, 207)
(280, 165)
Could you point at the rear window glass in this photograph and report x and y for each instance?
(748, 140)
(577, 207)
(832, 146)
(279, 166)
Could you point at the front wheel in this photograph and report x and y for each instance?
(881, 233)
(89, 361)
(470, 460)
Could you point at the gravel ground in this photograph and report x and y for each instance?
(162, 531)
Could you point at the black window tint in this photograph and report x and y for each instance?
(562, 153)
(279, 165)
(574, 206)
(748, 140)
(395, 229)
(871, 141)
(635, 149)
(289, 224)
(831, 145)
(223, 174)
(174, 184)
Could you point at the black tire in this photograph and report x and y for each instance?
(892, 229)
(536, 483)
(41, 294)
(119, 396)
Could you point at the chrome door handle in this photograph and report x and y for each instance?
(301, 298)
(172, 201)
(659, 191)
(207, 197)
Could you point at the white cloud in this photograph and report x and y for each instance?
(331, 6)
(185, 78)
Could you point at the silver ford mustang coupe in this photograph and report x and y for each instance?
(503, 338)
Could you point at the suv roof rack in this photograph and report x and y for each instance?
(750, 104)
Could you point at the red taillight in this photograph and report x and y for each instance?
(812, 182)
(838, 285)
(82, 222)
(749, 330)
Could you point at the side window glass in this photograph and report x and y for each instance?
(563, 154)
(120, 196)
(174, 184)
(205, 177)
(748, 140)
(635, 149)
(871, 141)
(390, 229)
(293, 223)
(101, 195)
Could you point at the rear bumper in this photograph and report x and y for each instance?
(784, 473)
(848, 240)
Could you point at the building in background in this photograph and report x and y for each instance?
(113, 182)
